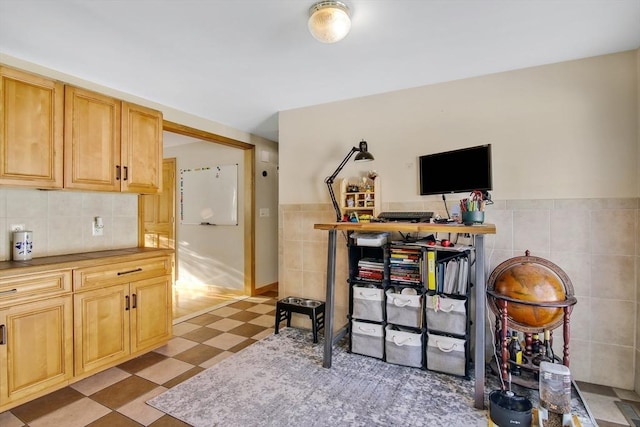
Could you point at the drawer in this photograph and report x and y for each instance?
(446, 314)
(27, 287)
(119, 273)
(403, 347)
(367, 339)
(447, 354)
(403, 309)
(368, 303)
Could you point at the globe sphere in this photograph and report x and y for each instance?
(534, 283)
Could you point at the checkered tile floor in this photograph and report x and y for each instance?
(117, 396)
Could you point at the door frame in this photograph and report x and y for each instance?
(248, 193)
(142, 228)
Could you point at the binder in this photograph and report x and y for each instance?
(431, 270)
(450, 276)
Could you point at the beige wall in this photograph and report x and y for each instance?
(564, 130)
(565, 154)
(205, 255)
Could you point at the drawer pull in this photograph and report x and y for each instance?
(10, 291)
(120, 273)
(3, 335)
(135, 301)
(126, 303)
(118, 173)
(126, 173)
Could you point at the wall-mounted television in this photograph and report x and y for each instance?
(456, 171)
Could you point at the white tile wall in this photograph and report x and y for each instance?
(61, 221)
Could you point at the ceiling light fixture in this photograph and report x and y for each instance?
(329, 21)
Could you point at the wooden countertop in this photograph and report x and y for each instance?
(407, 227)
(79, 260)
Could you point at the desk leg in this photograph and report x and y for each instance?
(328, 308)
(479, 322)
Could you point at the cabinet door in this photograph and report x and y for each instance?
(141, 149)
(91, 141)
(36, 351)
(151, 320)
(31, 130)
(101, 327)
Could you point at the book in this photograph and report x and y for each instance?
(431, 270)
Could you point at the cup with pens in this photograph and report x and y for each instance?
(472, 208)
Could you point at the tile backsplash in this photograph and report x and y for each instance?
(61, 221)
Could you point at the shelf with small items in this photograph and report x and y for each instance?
(360, 199)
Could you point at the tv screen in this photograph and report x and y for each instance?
(456, 171)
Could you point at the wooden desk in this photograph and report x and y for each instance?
(406, 227)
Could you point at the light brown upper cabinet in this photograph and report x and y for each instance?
(31, 130)
(141, 149)
(111, 145)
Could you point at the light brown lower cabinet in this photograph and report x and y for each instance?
(37, 347)
(60, 325)
(114, 322)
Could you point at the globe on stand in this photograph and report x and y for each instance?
(534, 280)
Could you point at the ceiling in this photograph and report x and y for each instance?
(240, 62)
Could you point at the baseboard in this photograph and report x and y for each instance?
(216, 288)
(268, 288)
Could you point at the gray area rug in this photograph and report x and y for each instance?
(280, 381)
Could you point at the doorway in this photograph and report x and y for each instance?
(157, 225)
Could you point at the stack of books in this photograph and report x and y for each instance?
(370, 269)
(405, 265)
(453, 276)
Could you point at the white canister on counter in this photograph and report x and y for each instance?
(22, 245)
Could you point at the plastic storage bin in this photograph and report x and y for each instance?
(403, 347)
(367, 339)
(446, 354)
(446, 314)
(555, 387)
(404, 309)
(368, 303)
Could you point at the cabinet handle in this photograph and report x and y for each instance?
(126, 173)
(126, 304)
(118, 173)
(3, 335)
(120, 273)
(10, 291)
(135, 301)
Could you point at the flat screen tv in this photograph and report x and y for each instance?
(456, 171)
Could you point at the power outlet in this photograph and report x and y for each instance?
(97, 227)
(16, 227)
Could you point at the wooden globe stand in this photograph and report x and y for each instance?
(499, 304)
(501, 334)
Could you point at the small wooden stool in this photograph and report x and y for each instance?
(312, 308)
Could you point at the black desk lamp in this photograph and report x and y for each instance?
(362, 156)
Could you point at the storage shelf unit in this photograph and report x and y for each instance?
(478, 231)
(401, 314)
